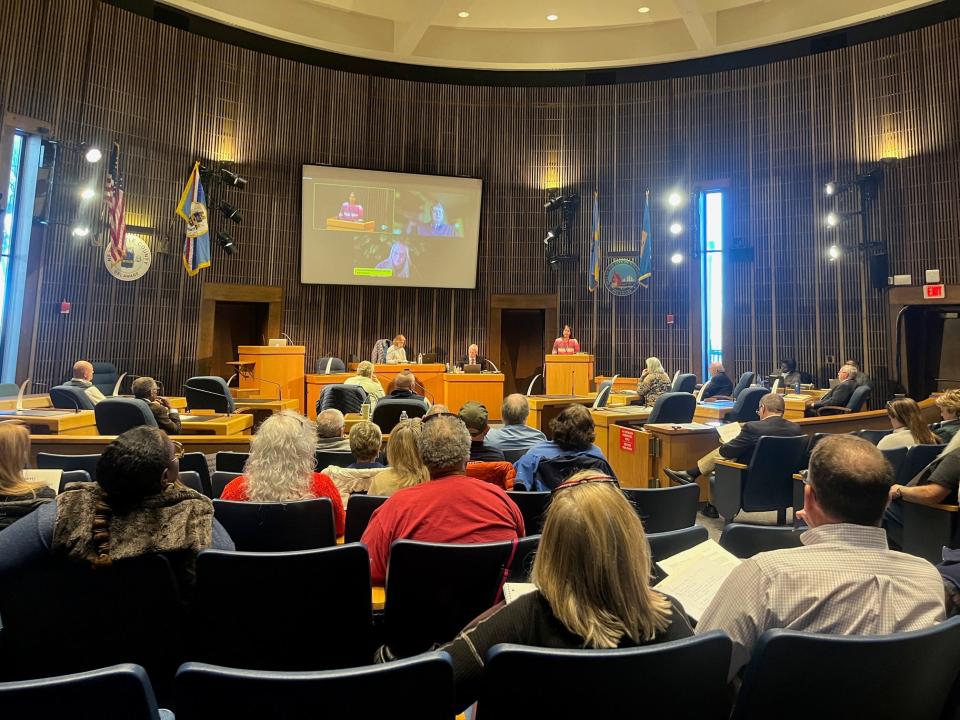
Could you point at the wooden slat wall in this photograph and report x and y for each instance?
(772, 134)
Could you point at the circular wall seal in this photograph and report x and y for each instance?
(621, 277)
(134, 264)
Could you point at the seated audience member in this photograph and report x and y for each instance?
(367, 379)
(515, 434)
(839, 395)
(789, 377)
(908, 426)
(450, 508)
(741, 448)
(403, 386)
(860, 377)
(18, 497)
(566, 344)
(573, 434)
(949, 404)
(82, 378)
(653, 382)
(936, 483)
(396, 353)
(145, 388)
(844, 580)
(281, 466)
(719, 383)
(473, 357)
(474, 415)
(592, 573)
(135, 507)
(366, 439)
(405, 468)
(330, 431)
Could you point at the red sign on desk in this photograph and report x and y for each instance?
(626, 440)
(933, 292)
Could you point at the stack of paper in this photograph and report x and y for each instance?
(694, 576)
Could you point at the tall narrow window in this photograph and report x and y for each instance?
(711, 269)
(12, 196)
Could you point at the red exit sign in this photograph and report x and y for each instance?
(933, 292)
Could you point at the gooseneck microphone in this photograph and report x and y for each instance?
(208, 392)
(495, 368)
(289, 339)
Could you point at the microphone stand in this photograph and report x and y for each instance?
(279, 386)
(425, 391)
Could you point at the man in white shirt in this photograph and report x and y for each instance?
(844, 580)
(515, 434)
(82, 377)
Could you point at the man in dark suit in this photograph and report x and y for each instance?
(473, 357)
(719, 383)
(403, 386)
(840, 393)
(741, 447)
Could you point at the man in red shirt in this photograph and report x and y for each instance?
(451, 508)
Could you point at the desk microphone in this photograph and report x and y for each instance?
(279, 386)
(495, 368)
(208, 392)
(289, 339)
(425, 391)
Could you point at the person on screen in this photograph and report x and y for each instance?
(437, 227)
(398, 260)
(351, 210)
(566, 344)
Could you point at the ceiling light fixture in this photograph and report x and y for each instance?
(552, 17)
(92, 155)
(832, 219)
(643, 9)
(833, 252)
(674, 199)
(676, 228)
(463, 14)
(81, 231)
(676, 258)
(87, 194)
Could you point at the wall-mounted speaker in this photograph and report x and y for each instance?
(879, 269)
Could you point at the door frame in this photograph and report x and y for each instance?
(549, 303)
(212, 293)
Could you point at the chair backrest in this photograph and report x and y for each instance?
(208, 392)
(497, 472)
(229, 584)
(105, 376)
(342, 397)
(379, 353)
(603, 393)
(325, 458)
(116, 415)
(359, 509)
(72, 476)
(926, 663)
(673, 407)
(278, 526)
(197, 462)
(219, 480)
(917, 458)
(895, 456)
(335, 364)
(743, 383)
(872, 436)
(769, 478)
(747, 405)
(745, 541)
(434, 590)
(667, 508)
(70, 397)
(684, 382)
(667, 544)
(118, 692)
(387, 412)
(229, 461)
(191, 479)
(859, 398)
(51, 461)
(522, 564)
(533, 507)
(603, 679)
(551, 472)
(512, 456)
(421, 687)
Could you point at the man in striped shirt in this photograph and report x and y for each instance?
(844, 580)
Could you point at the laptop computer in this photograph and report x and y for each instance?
(471, 368)
(277, 342)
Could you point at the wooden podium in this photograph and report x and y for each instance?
(568, 374)
(281, 366)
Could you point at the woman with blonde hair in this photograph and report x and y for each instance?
(654, 382)
(367, 379)
(281, 465)
(18, 497)
(405, 467)
(908, 425)
(397, 353)
(592, 573)
(949, 404)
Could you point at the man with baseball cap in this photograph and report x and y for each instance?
(474, 415)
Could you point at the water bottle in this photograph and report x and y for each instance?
(796, 388)
(420, 359)
(365, 410)
(404, 416)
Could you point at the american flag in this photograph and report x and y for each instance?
(115, 207)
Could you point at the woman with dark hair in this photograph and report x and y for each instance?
(566, 344)
(573, 434)
(18, 497)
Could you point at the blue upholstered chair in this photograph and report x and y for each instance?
(745, 541)
(533, 507)
(684, 382)
(70, 397)
(105, 376)
(359, 509)
(747, 405)
(668, 544)
(51, 461)
(603, 393)
(278, 526)
(342, 397)
(666, 508)
(387, 412)
(673, 407)
(334, 364)
(116, 415)
(209, 392)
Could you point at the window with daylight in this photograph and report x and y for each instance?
(711, 273)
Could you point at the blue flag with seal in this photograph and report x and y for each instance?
(593, 279)
(193, 208)
(646, 246)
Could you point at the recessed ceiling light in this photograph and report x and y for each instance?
(552, 18)
(643, 9)
(463, 14)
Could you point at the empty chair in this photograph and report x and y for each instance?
(219, 480)
(234, 587)
(533, 507)
(684, 382)
(872, 436)
(887, 677)
(667, 544)
(895, 457)
(387, 413)
(70, 397)
(747, 405)
(230, 461)
(603, 392)
(208, 392)
(745, 541)
(278, 526)
(118, 692)
(327, 365)
(116, 415)
(421, 687)
(552, 471)
(191, 479)
(72, 476)
(603, 681)
(342, 397)
(434, 590)
(766, 483)
(105, 376)
(51, 461)
(197, 462)
(928, 529)
(917, 458)
(326, 458)
(668, 508)
(746, 379)
(522, 564)
(512, 456)
(9, 390)
(673, 407)
(359, 510)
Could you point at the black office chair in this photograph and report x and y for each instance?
(673, 407)
(917, 458)
(684, 382)
(421, 687)
(858, 398)
(745, 541)
(511, 456)
(105, 376)
(433, 591)
(604, 689)
(118, 692)
(872, 436)
(278, 526)
(191, 479)
(667, 508)
(326, 458)
(229, 584)
(116, 415)
(551, 472)
(859, 668)
(746, 379)
(51, 461)
(342, 397)
(747, 405)
(386, 414)
(208, 392)
(228, 461)
(71, 476)
(811, 444)
(533, 507)
(603, 393)
(70, 397)
(219, 480)
(197, 462)
(359, 510)
(895, 457)
(522, 564)
(765, 483)
(327, 365)
(668, 544)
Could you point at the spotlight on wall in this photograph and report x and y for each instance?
(228, 177)
(553, 234)
(676, 258)
(226, 243)
(230, 212)
(90, 154)
(87, 194)
(676, 228)
(830, 188)
(674, 199)
(833, 252)
(554, 203)
(80, 231)
(832, 219)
